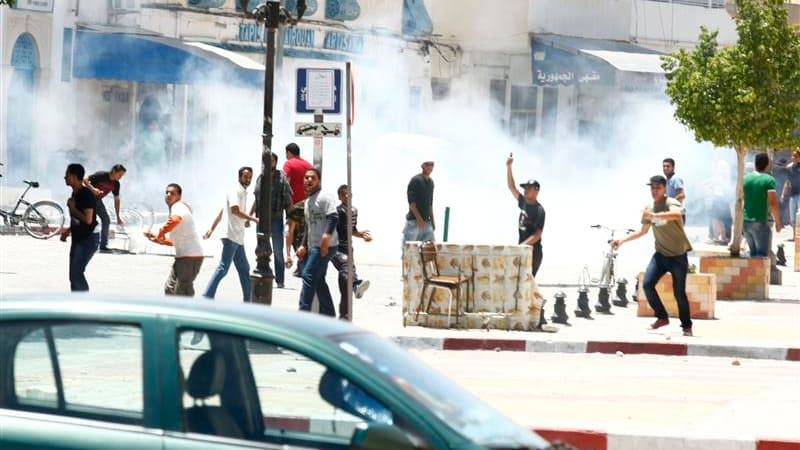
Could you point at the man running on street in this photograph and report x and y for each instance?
(101, 183)
(340, 258)
(672, 246)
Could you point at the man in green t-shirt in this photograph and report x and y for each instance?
(664, 214)
(760, 200)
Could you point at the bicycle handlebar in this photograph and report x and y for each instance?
(626, 230)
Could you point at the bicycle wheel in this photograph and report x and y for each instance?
(43, 219)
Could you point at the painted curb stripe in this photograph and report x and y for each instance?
(764, 444)
(582, 439)
(733, 351)
(632, 348)
(793, 354)
(302, 424)
(513, 345)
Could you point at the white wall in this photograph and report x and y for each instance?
(594, 19)
(481, 25)
(665, 26)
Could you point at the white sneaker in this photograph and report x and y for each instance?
(361, 288)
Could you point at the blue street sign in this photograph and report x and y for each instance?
(319, 89)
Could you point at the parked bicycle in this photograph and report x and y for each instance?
(607, 276)
(42, 219)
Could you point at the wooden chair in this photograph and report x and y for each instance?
(432, 277)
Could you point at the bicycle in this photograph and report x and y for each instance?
(42, 219)
(605, 282)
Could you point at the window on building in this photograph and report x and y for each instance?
(522, 123)
(440, 88)
(497, 100)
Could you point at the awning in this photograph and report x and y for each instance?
(571, 60)
(146, 57)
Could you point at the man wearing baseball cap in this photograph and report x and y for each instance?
(420, 225)
(672, 246)
(531, 214)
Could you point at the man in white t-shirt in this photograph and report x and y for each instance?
(233, 242)
(183, 236)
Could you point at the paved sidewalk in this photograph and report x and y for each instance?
(745, 329)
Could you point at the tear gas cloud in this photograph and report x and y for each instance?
(583, 180)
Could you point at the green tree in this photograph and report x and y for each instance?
(746, 96)
(7, 2)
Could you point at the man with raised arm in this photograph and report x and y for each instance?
(531, 214)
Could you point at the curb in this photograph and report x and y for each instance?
(581, 439)
(594, 440)
(606, 347)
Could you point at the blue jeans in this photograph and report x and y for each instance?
(276, 233)
(314, 270)
(231, 251)
(105, 222)
(80, 253)
(758, 235)
(794, 206)
(678, 266)
(412, 231)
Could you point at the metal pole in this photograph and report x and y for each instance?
(349, 205)
(446, 223)
(318, 118)
(262, 276)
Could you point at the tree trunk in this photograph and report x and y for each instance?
(738, 209)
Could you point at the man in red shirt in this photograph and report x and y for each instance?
(295, 169)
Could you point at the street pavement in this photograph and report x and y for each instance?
(742, 332)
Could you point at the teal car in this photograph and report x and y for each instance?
(83, 372)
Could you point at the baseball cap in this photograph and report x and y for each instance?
(657, 179)
(530, 182)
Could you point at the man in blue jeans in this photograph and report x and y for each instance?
(281, 201)
(233, 243)
(420, 225)
(760, 199)
(83, 220)
(319, 239)
(672, 245)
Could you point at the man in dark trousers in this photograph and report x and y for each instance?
(531, 214)
(83, 220)
(319, 242)
(672, 246)
(281, 201)
(101, 183)
(295, 169)
(420, 225)
(340, 257)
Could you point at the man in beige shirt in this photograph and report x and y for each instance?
(672, 246)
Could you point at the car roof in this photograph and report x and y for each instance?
(112, 306)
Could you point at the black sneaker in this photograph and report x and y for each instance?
(104, 250)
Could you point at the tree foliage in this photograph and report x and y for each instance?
(744, 96)
(7, 2)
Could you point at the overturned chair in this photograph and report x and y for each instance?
(433, 278)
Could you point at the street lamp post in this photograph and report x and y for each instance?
(272, 15)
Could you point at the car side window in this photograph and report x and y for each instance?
(81, 369)
(300, 401)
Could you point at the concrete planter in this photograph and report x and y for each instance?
(701, 289)
(739, 278)
(505, 295)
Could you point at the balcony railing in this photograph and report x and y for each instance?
(719, 4)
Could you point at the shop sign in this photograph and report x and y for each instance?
(35, 5)
(343, 42)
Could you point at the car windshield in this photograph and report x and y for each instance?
(459, 409)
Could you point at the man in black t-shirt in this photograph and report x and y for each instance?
(531, 214)
(420, 225)
(101, 183)
(339, 259)
(83, 219)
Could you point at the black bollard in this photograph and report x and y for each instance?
(560, 309)
(542, 320)
(780, 256)
(622, 293)
(603, 306)
(583, 303)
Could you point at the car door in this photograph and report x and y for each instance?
(253, 392)
(73, 384)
